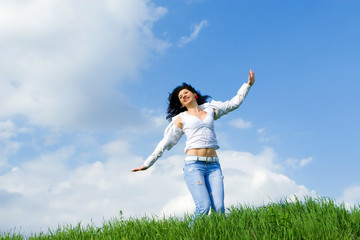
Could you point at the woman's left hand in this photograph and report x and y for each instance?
(251, 79)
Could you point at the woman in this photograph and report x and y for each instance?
(191, 114)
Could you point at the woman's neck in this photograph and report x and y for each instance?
(194, 109)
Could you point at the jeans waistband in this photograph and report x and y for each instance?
(203, 159)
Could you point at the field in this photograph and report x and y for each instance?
(319, 218)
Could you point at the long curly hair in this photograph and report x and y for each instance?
(175, 106)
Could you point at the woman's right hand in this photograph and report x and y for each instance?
(142, 168)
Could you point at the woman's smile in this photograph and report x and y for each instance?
(185, 96)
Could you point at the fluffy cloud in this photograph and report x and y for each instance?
(8, 146)
(7, 129)
(62, 66)
(47, 191)
(351, 196)
(62, 63)
(248, 179)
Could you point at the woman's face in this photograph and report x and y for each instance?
(186, 97)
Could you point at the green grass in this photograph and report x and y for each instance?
(319, 218)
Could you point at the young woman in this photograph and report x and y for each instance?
(191, 114)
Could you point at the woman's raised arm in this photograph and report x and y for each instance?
(222, 108)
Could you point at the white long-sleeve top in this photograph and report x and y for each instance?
(173, 134)
(199, 133)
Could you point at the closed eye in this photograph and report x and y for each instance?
(182, 95)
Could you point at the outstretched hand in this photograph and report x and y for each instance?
(142, 168)
(251, 79)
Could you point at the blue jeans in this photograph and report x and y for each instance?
(205, 183)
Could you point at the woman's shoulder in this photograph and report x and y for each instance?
(205, 106)
(177, 120)
(208, 106)
(178, 116)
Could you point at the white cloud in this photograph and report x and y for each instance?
(256, 179)
(248, 179)
(197, 28)
(8, 147)
(351, 196)
(240, 123)
(62, 62)
(7, 129)
(47, 191)
(298, 163)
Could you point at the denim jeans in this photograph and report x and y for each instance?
(205, 183)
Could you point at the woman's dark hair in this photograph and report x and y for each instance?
(175, 106)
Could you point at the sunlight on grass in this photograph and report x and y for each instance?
(319, 218)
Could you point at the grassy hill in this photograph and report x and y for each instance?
(310, 219)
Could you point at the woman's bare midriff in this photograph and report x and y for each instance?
(202, 152)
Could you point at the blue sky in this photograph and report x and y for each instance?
(83, 87)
